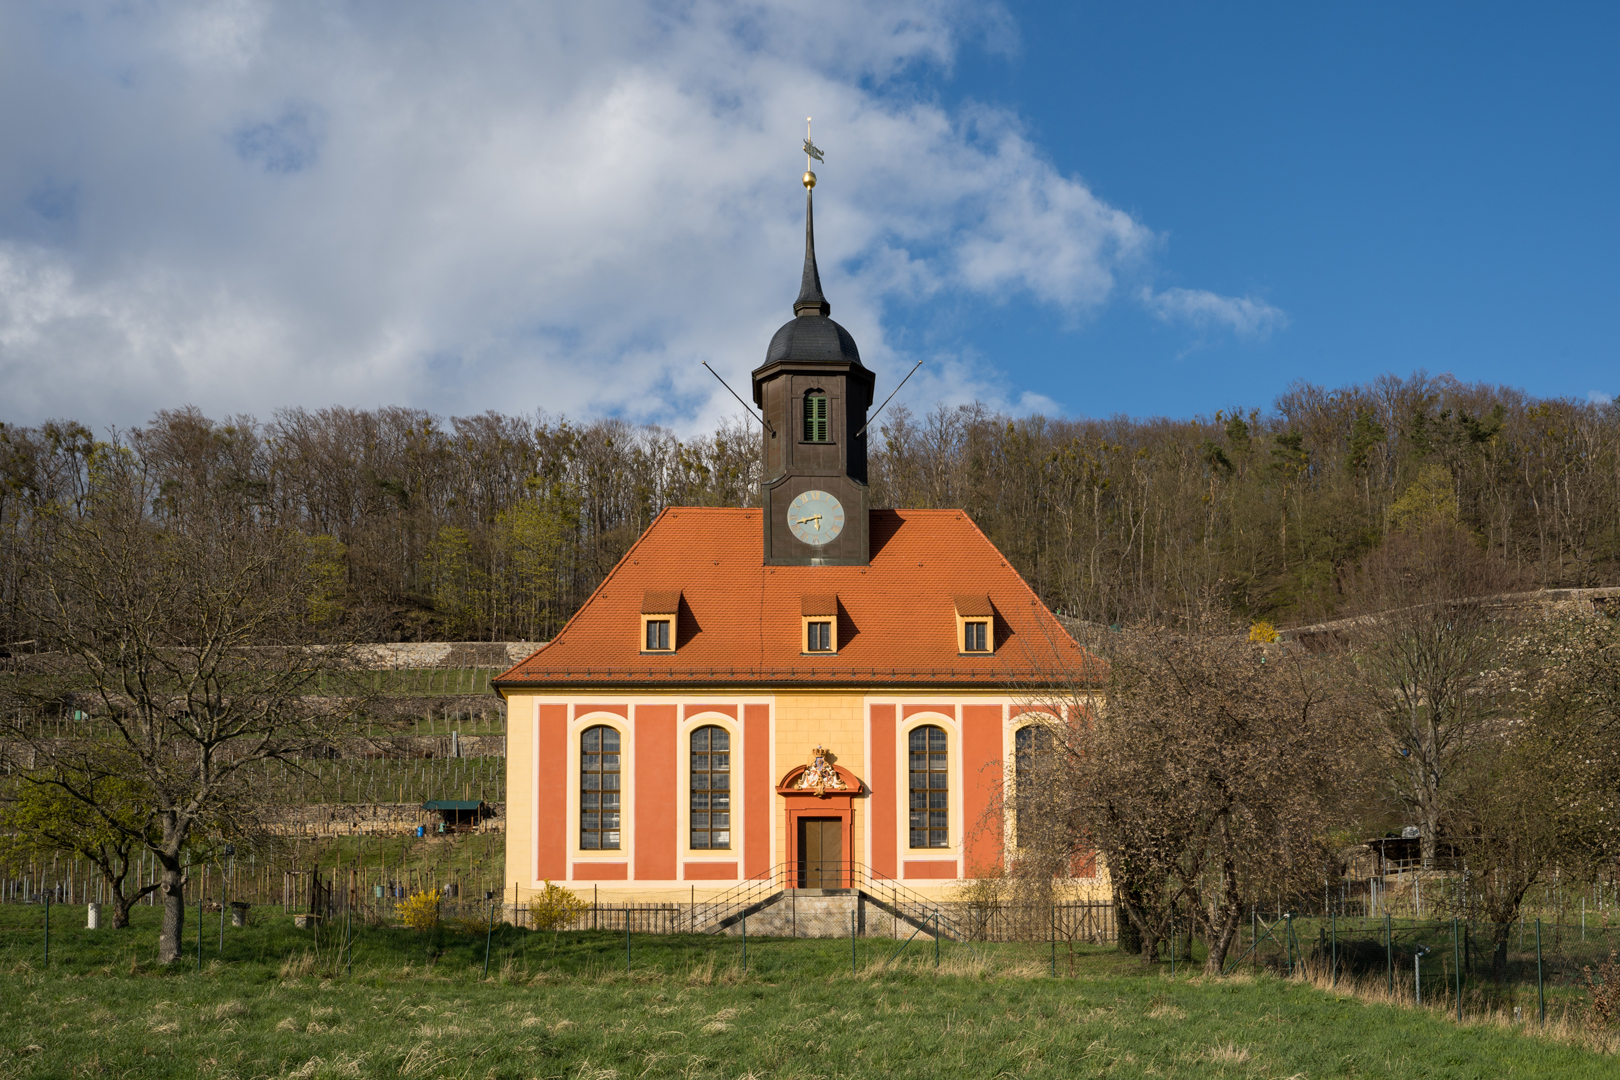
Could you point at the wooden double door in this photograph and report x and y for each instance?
(821, 853)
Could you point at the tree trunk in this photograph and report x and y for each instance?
(1222, 932)
(1146, 936)
(122, 904)
(1227, 914)
(1130, 939)
(1500, 934)
(171, 888)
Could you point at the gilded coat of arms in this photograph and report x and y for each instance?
(820, 774)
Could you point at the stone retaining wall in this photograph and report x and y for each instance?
(367, 819)
(446, 654)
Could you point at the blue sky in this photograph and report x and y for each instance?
(1086, 209)
(1415, 186)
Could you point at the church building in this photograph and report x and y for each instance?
(809, 694)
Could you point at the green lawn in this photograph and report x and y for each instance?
(280, 1003)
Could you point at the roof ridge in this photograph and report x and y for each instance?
(1034, 598)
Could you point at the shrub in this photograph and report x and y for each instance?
(420, 911)
(555, 908)
(1603, 993)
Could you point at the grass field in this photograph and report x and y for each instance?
(281, 1003)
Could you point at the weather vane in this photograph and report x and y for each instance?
(810, 151)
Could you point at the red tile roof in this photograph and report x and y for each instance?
(740, 620)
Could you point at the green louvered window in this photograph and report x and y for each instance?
(815, 417)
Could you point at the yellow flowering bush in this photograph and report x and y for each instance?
(555, 907)
(420, 911)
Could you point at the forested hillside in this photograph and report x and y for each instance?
(497, 527)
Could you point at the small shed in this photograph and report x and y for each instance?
(459, 815)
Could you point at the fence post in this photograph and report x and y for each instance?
(489, 930)
(1456, 962)
(1051, 933)
(1389, 952)
(626, 907)
(1288, 940)
(936, 937)
(745, 939)
(47, 929)
(1541, 989)
(199, 925)
(1334, 978)
(348, 939)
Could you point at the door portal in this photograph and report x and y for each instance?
(821, 853)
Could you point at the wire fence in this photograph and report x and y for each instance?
(1529, 964)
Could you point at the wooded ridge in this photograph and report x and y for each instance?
(497, 527)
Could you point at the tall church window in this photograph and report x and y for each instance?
(815, 417)
(1032, 761)
(599, 788)
(930, 788)
(711, 787)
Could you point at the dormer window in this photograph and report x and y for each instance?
(975, 634)
(816, 426)
(818, 616)
(659, 611)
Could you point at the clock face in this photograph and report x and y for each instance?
(816, 518)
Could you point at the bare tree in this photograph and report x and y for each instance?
(181, 621)
(1535, 800)
(1426, 648)
(1207, 782)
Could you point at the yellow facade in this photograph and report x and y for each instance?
(793, 724)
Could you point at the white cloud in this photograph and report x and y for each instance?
(1243, 315)
(249, 204)
(953, 379)
(1598, 397)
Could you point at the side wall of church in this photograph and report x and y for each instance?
(868, 734)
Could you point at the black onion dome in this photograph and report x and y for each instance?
(812, 337)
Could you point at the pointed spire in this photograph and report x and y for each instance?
(810, 301)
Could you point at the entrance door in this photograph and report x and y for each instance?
(821, 855)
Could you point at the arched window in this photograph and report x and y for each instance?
(816, 427)
(599, 788)
(930, 788)
(1032, 761)
(711, 787)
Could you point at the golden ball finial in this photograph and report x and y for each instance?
(809, 179)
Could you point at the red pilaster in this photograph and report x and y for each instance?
(551, 789)
(881, 777)
(756, 792)
(654, 841)
(981, 781)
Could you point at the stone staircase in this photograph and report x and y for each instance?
(871, 905)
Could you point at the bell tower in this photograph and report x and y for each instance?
(815, 394)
